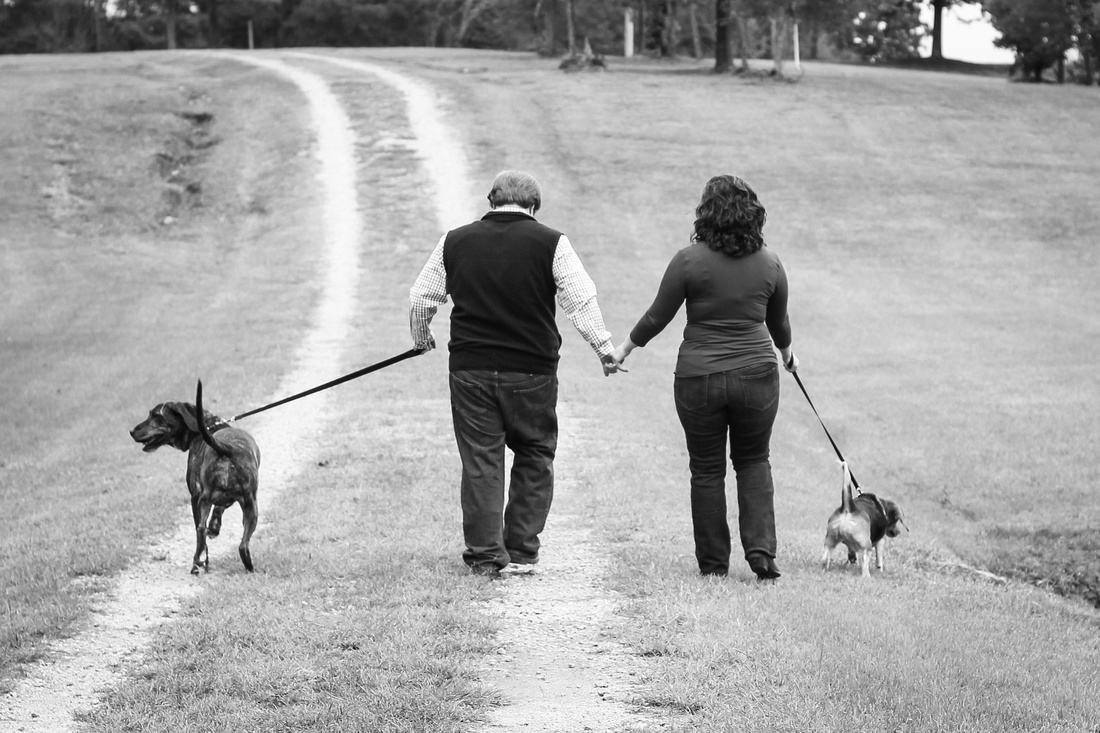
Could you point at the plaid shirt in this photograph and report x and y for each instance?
(576, 295)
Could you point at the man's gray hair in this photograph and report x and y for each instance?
(516, 187)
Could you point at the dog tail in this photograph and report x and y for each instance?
(847, 503)
(200, 418)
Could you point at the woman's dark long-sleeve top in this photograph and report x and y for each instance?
(736, 309)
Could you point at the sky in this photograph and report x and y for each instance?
(966, 41)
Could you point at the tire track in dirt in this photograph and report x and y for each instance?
(152, 591)
(560, 663)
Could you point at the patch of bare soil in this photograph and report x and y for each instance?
(174, 163)
(560, 667)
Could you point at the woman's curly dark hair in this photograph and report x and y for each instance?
(729, 217)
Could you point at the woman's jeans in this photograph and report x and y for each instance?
(491, 411)
(740, 403)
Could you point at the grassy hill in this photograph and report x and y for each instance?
(939, 233)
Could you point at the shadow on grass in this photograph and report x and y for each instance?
(951, 66)
(762, 68)
(1066, 562)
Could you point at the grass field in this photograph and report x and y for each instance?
(108, 308)
(940, 236)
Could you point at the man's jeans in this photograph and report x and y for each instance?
(492, 410)
(741, 403)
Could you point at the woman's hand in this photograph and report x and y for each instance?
(623, 351)
(613, 362)
(790, 361)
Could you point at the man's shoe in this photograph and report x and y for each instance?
(520, 568)
(488, 571)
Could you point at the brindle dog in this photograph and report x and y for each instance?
(223, 466)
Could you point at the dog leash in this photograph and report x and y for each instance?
(830, 437)
(346, 378)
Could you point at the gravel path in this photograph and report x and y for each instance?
(559, 666)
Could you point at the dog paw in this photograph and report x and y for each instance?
(246, 559)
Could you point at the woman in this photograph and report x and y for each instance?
(727, 377)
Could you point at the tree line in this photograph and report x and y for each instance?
(1042, 33)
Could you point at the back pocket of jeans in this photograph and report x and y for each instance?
(535, 405)
(691, 392)
(469, 396)
(761, 388)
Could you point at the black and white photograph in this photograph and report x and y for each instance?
(549, 366)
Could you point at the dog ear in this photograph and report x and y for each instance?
(895, 515)
(186, 413)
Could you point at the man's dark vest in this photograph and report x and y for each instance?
(501, 281)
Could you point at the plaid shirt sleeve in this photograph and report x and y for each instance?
(577, 298)
(426, 295)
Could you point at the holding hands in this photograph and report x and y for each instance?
(613, 362)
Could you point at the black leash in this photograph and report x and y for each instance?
(830, 437)
(346, 378)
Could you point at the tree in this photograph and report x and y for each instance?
(780, 15)
(97, 8)
(723, 53)
(1085, 15)
(826, 18)
(693, 19)
(449, 21)
(885, 30)
(666, 29)
(1039, 31)
(468, 13)
(938, 8)
(544, 14)
(170, 23)
(731, 17)
(571, 27)
(211, 8)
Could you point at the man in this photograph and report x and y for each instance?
(503, 274)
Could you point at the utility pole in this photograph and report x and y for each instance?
(628, 32)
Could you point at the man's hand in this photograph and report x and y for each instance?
(426, 345)
(611, 365)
